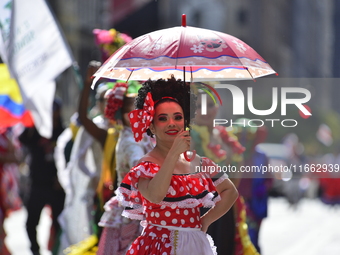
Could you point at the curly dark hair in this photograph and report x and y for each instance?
(169, 88)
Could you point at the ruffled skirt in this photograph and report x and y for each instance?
(119, 232)
(172, 241)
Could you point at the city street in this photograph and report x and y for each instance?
(17, 240)
(312, 228)
(266, 78)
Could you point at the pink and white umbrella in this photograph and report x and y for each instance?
(202, 54)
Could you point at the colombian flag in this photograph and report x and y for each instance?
(12, 110)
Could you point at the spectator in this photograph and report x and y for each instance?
(45, 188)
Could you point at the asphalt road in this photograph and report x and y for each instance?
(17, 240)
(311, 228)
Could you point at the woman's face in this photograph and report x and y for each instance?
(208, 118)
(168, 121)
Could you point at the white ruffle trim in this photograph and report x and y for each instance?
(138, 170)
(110, 219)
(121, 198)
(220, 180)
(111, 204)
(207, 201)
(212, 244)
(133, 214)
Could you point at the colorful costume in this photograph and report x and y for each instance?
(77, 219)
(255, 188)
(128, 151)
(9, 189)
(119, 232)
(172, 226)
(229, 237)
(255, 193)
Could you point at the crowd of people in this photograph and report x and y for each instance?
(10, 200)
(118, 179)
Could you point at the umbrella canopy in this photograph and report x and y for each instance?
(202, 54)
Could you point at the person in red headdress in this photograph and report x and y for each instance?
(254, 187)
(230, 232)
(119, 232)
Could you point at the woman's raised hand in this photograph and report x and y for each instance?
(181, 142)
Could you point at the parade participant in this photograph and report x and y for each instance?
(164, 189)
(45, 188)
(119, 232)
(222, 146)
(107, 137)
(79, 176)
(10, 201)
(109, 41)
(102, 133)
(254, 188)
(92, 170)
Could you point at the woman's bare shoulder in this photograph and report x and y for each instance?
(149, 158)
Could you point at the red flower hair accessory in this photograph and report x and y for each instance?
(141, 118)
(115, 98)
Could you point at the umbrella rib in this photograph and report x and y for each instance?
(184, 74)
(179, 44)
(130, 75)
(192, 78)
(249, 73)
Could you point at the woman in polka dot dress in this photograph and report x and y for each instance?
(164, 190)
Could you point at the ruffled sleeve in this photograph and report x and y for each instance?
(128, 194)
(213, 171)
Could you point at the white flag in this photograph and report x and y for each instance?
(33, 48)
(5, 23)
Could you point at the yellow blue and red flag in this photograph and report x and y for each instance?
(35, 52)
(12, 110)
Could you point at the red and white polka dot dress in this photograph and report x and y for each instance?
(178, 211)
